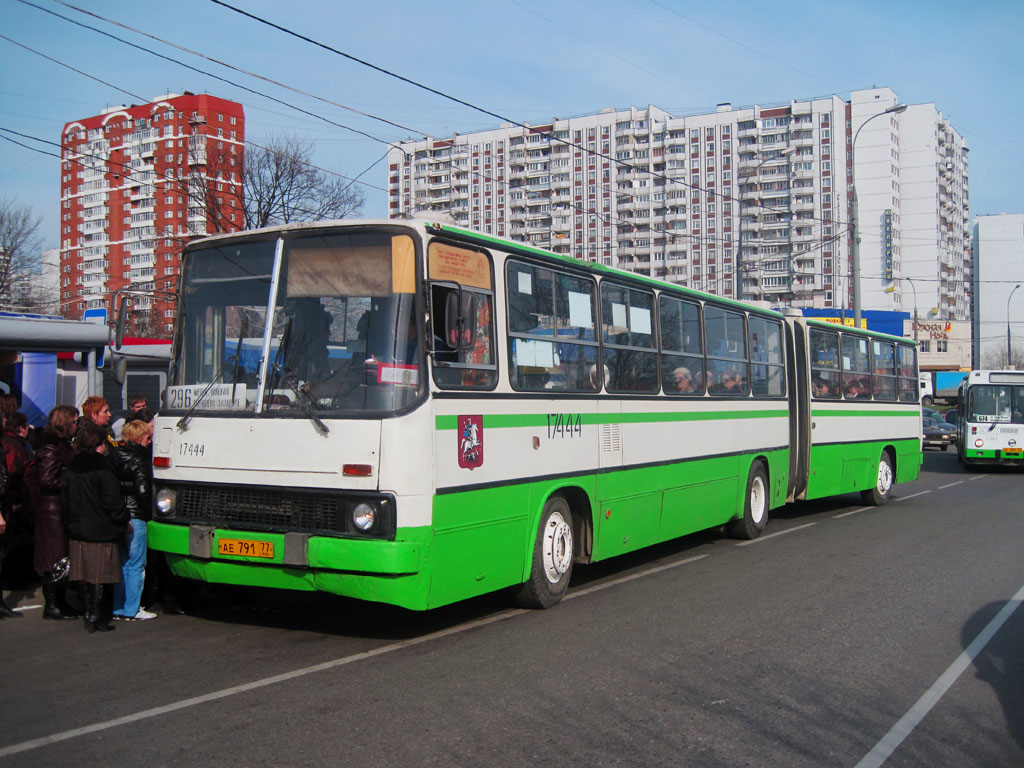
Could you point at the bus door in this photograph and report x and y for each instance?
(799, 408)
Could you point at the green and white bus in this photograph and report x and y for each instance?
(415, 413)
(990, 418)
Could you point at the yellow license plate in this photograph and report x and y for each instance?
(245, 548)
(1015, 451)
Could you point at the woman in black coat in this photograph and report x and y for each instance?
(44, 480)
(96, 519)
(133, 464)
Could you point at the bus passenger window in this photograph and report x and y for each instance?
(682, 353)
(551, 319)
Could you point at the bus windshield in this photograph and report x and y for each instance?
(996, 403)
(343, 334)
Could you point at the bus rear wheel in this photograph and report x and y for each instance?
(755, 507)
(553, 555)
(883, 483)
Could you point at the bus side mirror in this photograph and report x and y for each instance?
(460, 320)
(468, 320)
(451, 320)
(119, 368)
(122, 320)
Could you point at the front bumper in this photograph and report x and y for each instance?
(367, 569)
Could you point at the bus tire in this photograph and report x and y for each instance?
(755, 506)
(879, 494)
(553, 555)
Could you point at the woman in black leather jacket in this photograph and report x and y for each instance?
(132, 463)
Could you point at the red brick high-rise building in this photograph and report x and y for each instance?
(137, 183)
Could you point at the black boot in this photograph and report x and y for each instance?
(94, 622)
(51, 610)
(67, 609)
(7, 612)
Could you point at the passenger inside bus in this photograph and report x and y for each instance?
(309, 331)
(683, 380)
(594, 379)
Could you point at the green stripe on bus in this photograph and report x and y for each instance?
(508, 420)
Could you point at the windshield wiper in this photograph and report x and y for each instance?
(276, 368)
(236, 359)
(305, 401)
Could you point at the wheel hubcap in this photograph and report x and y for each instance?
(556, 549)
(884, 477)
(757, 500)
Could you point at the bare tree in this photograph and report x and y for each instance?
(282, 185)
(20, 258)
(995, 358)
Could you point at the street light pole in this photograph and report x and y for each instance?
(854, 228)
(1009, 348)
(914, 287)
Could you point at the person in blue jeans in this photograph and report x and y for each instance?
(132, 464)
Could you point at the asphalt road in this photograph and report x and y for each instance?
(847, 636)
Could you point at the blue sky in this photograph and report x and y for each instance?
(524, 59)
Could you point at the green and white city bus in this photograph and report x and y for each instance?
(990, 423)
(415, 413)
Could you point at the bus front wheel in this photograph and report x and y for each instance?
(553, 554)
(883, 483)
(755, 507)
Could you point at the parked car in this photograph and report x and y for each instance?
(937, 433)
(951, 417)
(932, 413)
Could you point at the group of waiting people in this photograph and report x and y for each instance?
(83, 498)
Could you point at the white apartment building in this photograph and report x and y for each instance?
(912, 191)
(750, 203)
(998, 303)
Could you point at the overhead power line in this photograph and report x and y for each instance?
(484, 110)
(455, 168)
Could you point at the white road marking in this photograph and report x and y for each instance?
(949, 485)
(911, 496)
(852, 512)
(896, 735)
(773, 535)
(976, 477)
(632, 576)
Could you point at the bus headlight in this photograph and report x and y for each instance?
(164, 501)
(364, 516)
(979, 443)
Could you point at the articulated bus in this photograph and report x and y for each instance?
(414, 413)
(990, 423)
